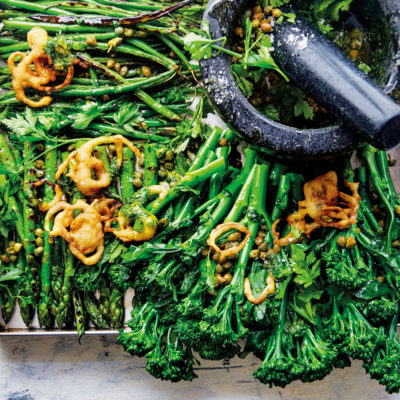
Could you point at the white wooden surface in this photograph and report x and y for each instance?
(41, 368)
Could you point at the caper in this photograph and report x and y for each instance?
(258, 16)
(39, 164)
(91, 40)
(110, 63)
(227, 265)
(169, 166)
(111, 148)
(276, 12)
(105, 98)
(141, 162)
(234, 237)
(137, 183)
(39, 241)
(123, 71)
(119, 30)
(138, 174)
(380, 279)
(141, 34)
(172, 184)
(162, 174)
(4, 259)
(29, 259)
(396, 243)
(219, 269)
(268, 10)
(341, 241)
(215, 257)
(254, 254)
(204, 251)
(17, 247)
(259, 240)
(10, 250)
(239, 32)
(264, 255)
(391, 161)
(227, 278)
(257, 9)
(40, 174)
(128, 32)
(13, 258)
(160, 153)
(71, 147)
(40, 148)
(255, 23)
(350, 242)
(39, 232)
(163, 222)
(266, 27)
(11, 243)
(223, 142)
(397, 210)
(38, 251)
(169, 155)
(276, 249)
(264, 247)
(381, 223)
(117, 66)
(146, 71)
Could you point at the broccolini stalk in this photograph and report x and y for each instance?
(104, 300)
(117, 308)
(127, 172)
(44, 314)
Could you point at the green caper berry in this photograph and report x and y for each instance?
(169, 166)
(223, 142)
(160, 153)
(138, 174)
(40, 174)
(169, 155)
(71, 147)
(141, 34)
(128, 32)
(163, 222)
(40, 148)
(110, 63)
(13, 258)
(123, 71)
(396, 243)
(4, 259)
(219, 268)
(119, 30)
(11, 243)
(117, 66)
(341, 241)
(137, 183)
(18, 247)
(39, 241)
(10, 250)
(162, 174)
(39, 232)
(38, 251)
(39, 164)
(29, 258)
(141, 162)
(263, 247)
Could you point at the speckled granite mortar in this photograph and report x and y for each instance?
(261, 131)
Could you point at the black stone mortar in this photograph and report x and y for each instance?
(271, 136)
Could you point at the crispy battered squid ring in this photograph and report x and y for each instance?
(81, 164)
(269, 289)
(222, 228)
(325, 205)
(105, 207)
(126, 233)
(85, 234)
(58, 196)
(24, 76)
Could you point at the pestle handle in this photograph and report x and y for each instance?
(322, 70)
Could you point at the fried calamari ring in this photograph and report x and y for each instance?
(269, 289)
(325, 205)
(58, 196)
(85, 234)
(82, 163)
(24, 76)
(222, 228)
(105, 207)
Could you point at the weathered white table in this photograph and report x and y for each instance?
(42, 368)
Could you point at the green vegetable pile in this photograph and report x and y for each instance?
(335, 294)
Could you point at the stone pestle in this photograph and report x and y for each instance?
(317, 66)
